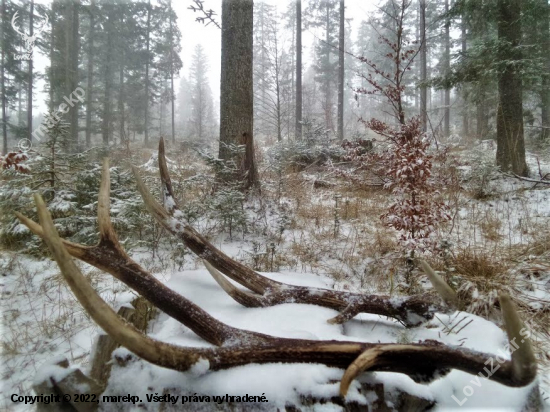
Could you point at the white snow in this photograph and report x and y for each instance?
(42, 321)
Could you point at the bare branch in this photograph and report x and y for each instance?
(208, 14)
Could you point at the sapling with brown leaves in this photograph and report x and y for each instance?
(405, 163)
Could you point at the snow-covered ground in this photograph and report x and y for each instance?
(43, 321)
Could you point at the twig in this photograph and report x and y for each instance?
(545, 182)
(199, 6)
(458, 331)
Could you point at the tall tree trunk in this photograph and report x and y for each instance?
(3, 80)
(52, 57)
(75, 49)
(106, 125)
(278, 112)
(298, 69)
(20, 96)
(147, 58)
(263, 82)
(288, 112)
(161, 108)
(545, 86)
(236, 93)
(423, 67)
(90, 83)
(482, 117)
(30, 77)
(341, 72)
(172, 97)
(201, 114)
(463, 41)
(328, 90)
(416, 66)
(71, 65)
(510, 143)
(447, 68)
(121, 95)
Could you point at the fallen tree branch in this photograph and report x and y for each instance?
(527, 179)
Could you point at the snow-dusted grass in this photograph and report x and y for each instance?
(295, 242)
(280, 383)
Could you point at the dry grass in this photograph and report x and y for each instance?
(40, 315)
(362, 255)
(479, 267)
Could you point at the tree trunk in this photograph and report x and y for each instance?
(292, 122)
(75, 46)
(298, 133)
(30, 78)
(341, 73)
(545, 86)
(52, 57)
(147, 58)
(106, 125)
(510, 143)
(416, 66)
(172, 76)
(3, 80)
(20, 97)
(121, 95)
(90, 84)
(423, 67)
(482, 118)
(71, 65)
(447, 68)
(328, 90)
(278, 111)
(465, 123)
(236, 93)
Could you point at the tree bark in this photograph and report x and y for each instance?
(3, 80)
(341, 45)
(545, 86)
(121, 97)
(510, 141)
(463, 41)
(71, 65)
(423, 67)
(106, 125)
(482, 118)
(75, 46)
(172, 97)
(90, 83)
(30, 77)
(147, 58)
(447, 68)
(298, 133)
(236, 91)
(52, 56)
(329, 125)
(20, 98)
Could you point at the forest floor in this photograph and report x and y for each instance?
(498, 241)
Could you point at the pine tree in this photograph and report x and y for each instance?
(325, 15)
(201, 96)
